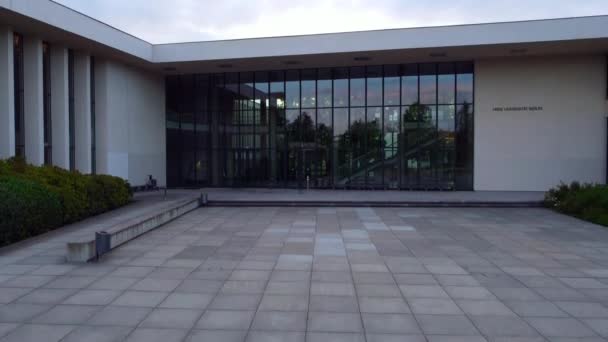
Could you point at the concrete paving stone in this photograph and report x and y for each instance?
(283, 303)
(584, 283)
(332, 289)
(561, 294)
(170, 273)
(140, 298)
(444, 338)
(434, 306)
(334, 337)
(67, 314)
(415, 279)
(131, 272)
(172, 318)
(469, 292)
(383, 305)
(458, 325)
(113, 283)
(584, 309)
(373, 278)
(390, 324)
(250, 275)
(298, 288)
(378, 290)
(276, 336)
(560, 327)
(243, 287)
(517, 293)
(17, 269)
(97, 334)
(210, 275)
(38, 332)
(9, 294)
(31, 281)
(395, 338)
(235, 302)
(484, 307)
(5, 328)
(71, 282)
(334, 277)
(198, 301)
(225, 320)
(199, 286)
(503, 326)
(456, 280)
(280, 321)
(119, 316)
(182, 263)
(600, 326)
(53, 270)
(423, 291)
(159, 285)
(346, 304)
(157, 335)
(217, 335)
(21, 312)
(535, 309)
(290, 276)
(376, 268)
(446, 269)
(334, 322)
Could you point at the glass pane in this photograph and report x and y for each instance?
(340, 87)
(445, 90)
(307, 126)
(391, 91)
(428, 88)
(374, 86)
(391, 127)
(409, 84)
(309, 88)
(324, 88)
(357, 87)
(464, 88)
(292, 87)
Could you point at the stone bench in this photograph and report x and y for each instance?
(83, 250)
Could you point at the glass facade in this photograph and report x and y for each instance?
(367, 127)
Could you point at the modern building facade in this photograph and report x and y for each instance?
(503, 106)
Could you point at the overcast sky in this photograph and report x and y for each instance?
(170, 21)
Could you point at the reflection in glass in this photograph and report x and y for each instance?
(397, 126)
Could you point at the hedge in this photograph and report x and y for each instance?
(34, 200)
(585, 201)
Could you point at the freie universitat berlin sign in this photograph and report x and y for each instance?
(518, 109)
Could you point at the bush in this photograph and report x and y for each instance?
(80, 196)
(586, 201)
(26, 209)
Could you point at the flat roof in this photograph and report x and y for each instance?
(57, 23)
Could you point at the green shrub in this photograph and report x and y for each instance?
(80, 196)
(586, 201)
(26, 209)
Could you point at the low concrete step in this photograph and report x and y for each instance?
(385, 204)
(83, 250)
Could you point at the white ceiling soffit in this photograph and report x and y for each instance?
(552, 30)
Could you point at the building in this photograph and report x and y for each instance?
(501, 106)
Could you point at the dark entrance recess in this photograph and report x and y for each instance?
(368, 127)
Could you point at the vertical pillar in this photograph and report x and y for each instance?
(7, 94)
(60, 111)
(33, 107)
(82, 111)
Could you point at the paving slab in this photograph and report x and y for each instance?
(322, 274)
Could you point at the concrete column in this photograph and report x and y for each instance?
(60, 111)
(82, 111)
(33, 108)
(7, 94)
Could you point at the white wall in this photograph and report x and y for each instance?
(535, 150)
(7, 94)
(130, 119)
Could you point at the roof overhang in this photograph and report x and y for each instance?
(58, 24)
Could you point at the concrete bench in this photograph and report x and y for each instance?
(84, 249)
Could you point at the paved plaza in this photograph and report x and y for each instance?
(321, 275)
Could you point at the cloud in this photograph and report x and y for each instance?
(168, 21)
